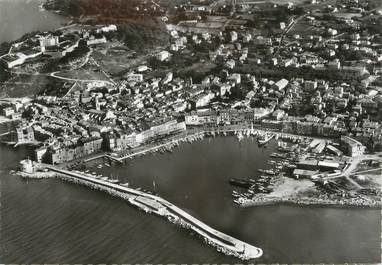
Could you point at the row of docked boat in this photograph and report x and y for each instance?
(101, 177)
(103, 165)
(193, 138)
(268, 171)
(168, 148)
(263, 184)
(264, 137)
(243, 183)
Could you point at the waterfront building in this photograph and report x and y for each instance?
(260, 113)
(71, 150)
(40, 154)
(206, 117)
(144, 136)
(125, 141)
(328, 165)
(352, 147)
(27, 166)
(272, 124)
(310, 164)
(334, 150)
(25, 134)
(319, 148)
(302, 173)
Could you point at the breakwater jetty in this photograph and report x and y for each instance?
(157, 205)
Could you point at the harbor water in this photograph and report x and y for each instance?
(51, 221)
(54, 221)
(18, 17)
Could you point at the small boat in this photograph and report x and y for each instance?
(114, 181)
(265, 138)
(269, 172)
(240, 183)
(240, 136)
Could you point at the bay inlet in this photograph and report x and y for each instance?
(54, 221)
(50, 221)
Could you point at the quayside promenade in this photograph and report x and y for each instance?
(157, 205)
(190, 135)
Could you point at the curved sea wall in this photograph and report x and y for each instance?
(157, 205)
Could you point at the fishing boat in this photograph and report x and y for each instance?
(240, 183)
(114, 181)
(269, 172)
(252, 131)
(264, 139)
(240, 136)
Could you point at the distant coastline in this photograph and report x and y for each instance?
(22, 17)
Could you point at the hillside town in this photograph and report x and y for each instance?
(311, 70)
(262, 118)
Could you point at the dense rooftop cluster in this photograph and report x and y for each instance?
(309, 72)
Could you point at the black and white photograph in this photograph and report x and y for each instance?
(191, 132)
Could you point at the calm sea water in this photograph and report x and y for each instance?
(18, 17)
(49, 221)
(55, 222)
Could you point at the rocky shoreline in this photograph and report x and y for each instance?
(36, 175)
(367, 203)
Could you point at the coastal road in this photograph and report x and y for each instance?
(366, 171)
(352, 166)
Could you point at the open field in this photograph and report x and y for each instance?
(82, 75)
(288, 187)
(303, 28)
(117, 59)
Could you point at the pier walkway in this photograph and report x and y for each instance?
(151, 203)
